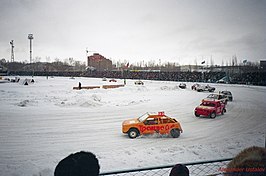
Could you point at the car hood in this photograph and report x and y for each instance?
(205, 107)
(208, 99)
(130, 121)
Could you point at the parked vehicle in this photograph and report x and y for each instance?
(228, 94)
(150, 123)
(210, 108)
(112, 80)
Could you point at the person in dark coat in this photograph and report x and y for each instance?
(179, 170)
(78, 164)
(79, 85)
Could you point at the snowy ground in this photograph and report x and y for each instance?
(45, 121)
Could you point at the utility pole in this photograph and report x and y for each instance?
(30, 37)
(12, 50)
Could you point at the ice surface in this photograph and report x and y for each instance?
(45, 121)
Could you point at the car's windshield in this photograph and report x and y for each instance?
(214, 96)
(143, 117)
(227, 93)
(208, 104)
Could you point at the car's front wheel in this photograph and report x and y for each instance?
(133, 133)
(175, 133)
(197, 115)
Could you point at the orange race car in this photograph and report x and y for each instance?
(152, 123)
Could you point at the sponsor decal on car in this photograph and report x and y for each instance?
(155, 127)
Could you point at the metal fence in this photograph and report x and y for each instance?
(212, 168)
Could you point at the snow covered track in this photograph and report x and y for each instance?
(45, 121)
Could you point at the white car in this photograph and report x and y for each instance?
(217, 96)
(202, 88)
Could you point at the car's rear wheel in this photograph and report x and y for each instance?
(175, 133)
(213, 115)
(133, 133)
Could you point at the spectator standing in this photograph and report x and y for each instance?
(78, 164)
(79, 85)
(179, 170)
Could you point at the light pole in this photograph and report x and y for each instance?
(12, 50)
(30, 37)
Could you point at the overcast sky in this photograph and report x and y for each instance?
(183, 31)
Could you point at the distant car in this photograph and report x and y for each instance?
(112, 80)
(228, 94)
(203, 88)
(221, 81)
(139, 82)
(217, 96)
(182, 86)
(210, 108)
(194, 86)
(152, 123)
(104, 79)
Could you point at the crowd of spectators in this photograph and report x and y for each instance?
(252, 78)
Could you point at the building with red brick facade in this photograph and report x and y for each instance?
(99, 62)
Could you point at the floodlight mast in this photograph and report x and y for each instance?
(12, 50)
(30, 37)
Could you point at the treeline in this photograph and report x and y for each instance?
(44, 66)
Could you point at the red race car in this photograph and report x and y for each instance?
(210, 108)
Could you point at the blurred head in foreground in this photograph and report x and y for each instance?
(78, 164)
(179, 170)
(250, 161)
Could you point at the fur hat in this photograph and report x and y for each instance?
(78, 164)
(179, 170)
(250, 161)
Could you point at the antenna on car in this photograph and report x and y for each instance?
(161, 113)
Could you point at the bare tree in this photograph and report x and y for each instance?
(47, 58)
(37, 59)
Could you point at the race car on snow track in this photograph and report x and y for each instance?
(210, 108)
(217, 96)
(228, 94)
(152, 123)
(201, 88)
